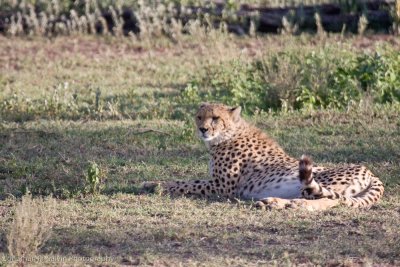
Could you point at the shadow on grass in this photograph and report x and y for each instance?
(148, 103)
(3, 241)
(375, 153)
(56, 162)
(249, 242)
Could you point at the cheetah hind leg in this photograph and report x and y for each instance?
(298, 203)
(313, 204)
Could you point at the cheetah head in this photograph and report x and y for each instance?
(216, 122)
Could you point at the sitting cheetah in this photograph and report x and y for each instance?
(247, 164)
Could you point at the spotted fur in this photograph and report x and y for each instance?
(245, 163)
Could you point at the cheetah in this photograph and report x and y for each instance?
(247, 164)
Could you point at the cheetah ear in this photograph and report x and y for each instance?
(202, 105)
(235, 113)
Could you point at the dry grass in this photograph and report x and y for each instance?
(30, 228)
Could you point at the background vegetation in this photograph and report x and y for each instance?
(170, 18)
(85, 119)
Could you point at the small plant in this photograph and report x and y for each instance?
(252, 29)
(191, 94)
(93, 178)
(288, 27)
(31, 226)
(320, 28)
(188, 132)
(362, 25)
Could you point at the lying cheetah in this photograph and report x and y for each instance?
(247, 164)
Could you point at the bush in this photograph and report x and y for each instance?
(378, 74)
(298, 80)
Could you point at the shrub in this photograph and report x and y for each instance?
(235, 84)
(296, 80)
(378, 75)
(31, 226)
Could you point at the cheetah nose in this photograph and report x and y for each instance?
(203, 130)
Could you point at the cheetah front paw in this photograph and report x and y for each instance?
(272, 203)
(150, 187)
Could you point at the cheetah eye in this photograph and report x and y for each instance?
(215, 118)
(199, 118)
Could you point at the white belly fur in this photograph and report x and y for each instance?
(287, 190)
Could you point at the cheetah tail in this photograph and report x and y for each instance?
(312, 189)
(305, 170)
(372, 194)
